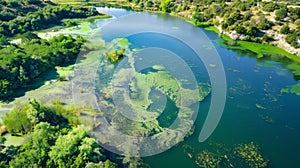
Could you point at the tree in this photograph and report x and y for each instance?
(2, 140)
(285, 29)
(281, 13)
(24, 117)
(252, 31)
(267, 38)
(5, 88)
(270, 7)
(75, 149)
(198, 18)
(294, 13)
(29, 36)
(7, 154)
(292, 39)
(34, 153)
(165, 5)
(240, 29)
(297, 22)
(17, 121)
(263, 23)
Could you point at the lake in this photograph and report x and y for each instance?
(255, 109)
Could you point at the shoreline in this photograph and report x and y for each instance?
(272, 49)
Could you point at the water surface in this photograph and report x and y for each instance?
(255, 108)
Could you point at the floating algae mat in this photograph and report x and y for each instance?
(143, 98)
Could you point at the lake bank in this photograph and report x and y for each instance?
(264, 49)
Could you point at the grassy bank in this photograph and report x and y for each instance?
(261, 50)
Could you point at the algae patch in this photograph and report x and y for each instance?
(294, 89)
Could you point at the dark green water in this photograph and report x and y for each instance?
(255, 108)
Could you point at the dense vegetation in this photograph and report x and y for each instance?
(55, 139)
(21, 64)
(11, 9)
(43, 18)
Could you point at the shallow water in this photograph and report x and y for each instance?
(255, 108)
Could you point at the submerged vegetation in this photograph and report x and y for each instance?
(207, 159)
(250, 153)
(137, 92)
(242, 155)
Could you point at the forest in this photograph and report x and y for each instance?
(21, 64)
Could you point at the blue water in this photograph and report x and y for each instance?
(250, 83)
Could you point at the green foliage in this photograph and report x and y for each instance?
(263, 23)
(281, 13)
(7, 15)
(5, 87)
(241, 29)
(296, 89)
(34, 153)
(252, 30)
(70, 23)
(3, 41)
(24, 117)
(294, 13)
(165, 5)
(13, 8)
(74, 150)
(2, 140)
(251, 154)
(44, 18)
(22, 64)
(285, 29)
(207, 159)
(17, 120)
(297, 22)
(270, 6)
(267, 38)
(49, 144)
(198, 18)
(115, 55)
(233, 17)
(292, 39)
(7, 154)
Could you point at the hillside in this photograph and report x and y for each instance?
(10, 9)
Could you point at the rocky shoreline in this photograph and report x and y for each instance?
(278, 40)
